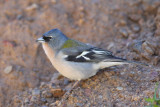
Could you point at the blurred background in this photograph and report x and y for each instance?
(128, 28)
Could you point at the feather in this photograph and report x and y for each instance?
(94, 55)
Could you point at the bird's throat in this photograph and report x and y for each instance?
(48, 51)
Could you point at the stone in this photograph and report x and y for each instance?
(155, 60)
(57, 92)
(32, 7)
(146, 56)
(119, 88)
(134, 17)
(79, 104)
(36, 92)
(46, 94)
(136, 46)
(148, 49)
(43, 100)
(26, 101)
(55, 77)
(66, 82)
(135, 28)
(44, 106)
(100, 96)
(43, 85)
(33, 98)
(19, 17)
(123, 22)
(8, 69)
(123, 32)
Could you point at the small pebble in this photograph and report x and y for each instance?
(57, 92)
(43, 100)
(8, 69)
(108, 74)
(17, 99)
(100, 96)
(30, 19)
(68, 87)
(157, 32)
(55, 77)
(155, 60)
(146, 56)
(19, 17)
(44, 106)
(111, 45)
(123, 32)
(43, 85)
(135, 28)
(122, 73)
(147, 48)
(35, 92)
(87, 92)
(26, 101)
(134, 17)
(123, 22)
(47, 94)
(33, 99)
(32, 7)
(119, 88)
(52, 85)
(136, 46)
(54, 104)
(79, 104)
(80, 21)
(66, 81)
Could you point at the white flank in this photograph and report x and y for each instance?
(109, 64)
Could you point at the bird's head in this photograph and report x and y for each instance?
(55, 38)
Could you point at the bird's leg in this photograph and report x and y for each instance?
(66, 95)
(74, 85)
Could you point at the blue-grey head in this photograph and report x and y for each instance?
(55, 38)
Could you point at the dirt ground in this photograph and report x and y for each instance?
(128, 28)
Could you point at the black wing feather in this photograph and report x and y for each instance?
(94, 55)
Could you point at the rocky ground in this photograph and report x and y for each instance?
(128, 28)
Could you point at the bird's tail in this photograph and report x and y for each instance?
(124, 61)
(137, 63)
(113, 61)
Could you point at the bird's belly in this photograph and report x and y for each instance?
(71, 70)
(74, 70)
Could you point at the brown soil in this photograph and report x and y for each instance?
(128, 28)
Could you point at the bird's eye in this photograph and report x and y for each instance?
(47, 38)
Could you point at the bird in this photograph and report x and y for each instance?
(74, 59)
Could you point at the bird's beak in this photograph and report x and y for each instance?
(40, 39)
